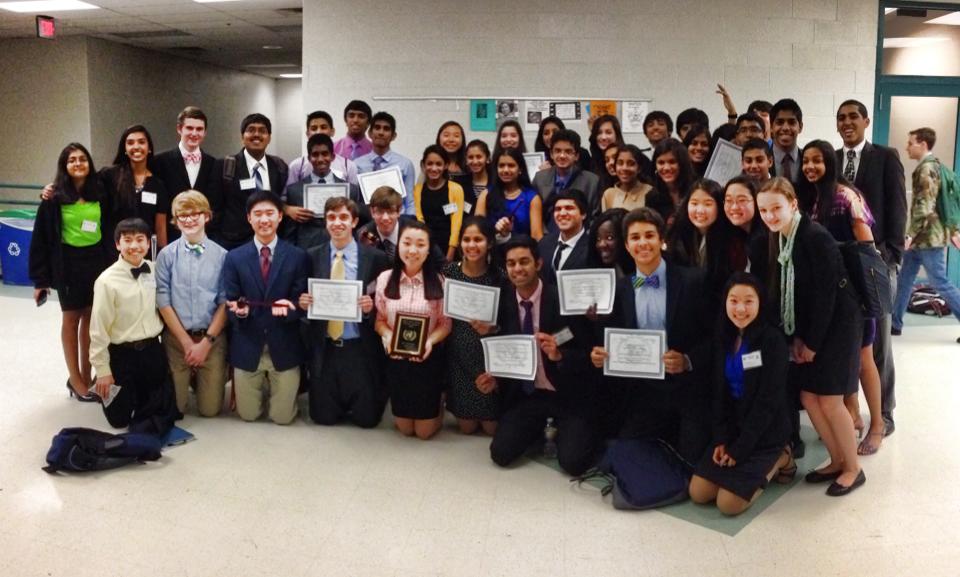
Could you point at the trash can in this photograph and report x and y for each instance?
(16, 230)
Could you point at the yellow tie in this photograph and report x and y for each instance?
(337, 272)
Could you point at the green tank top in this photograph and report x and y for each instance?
(81, 224)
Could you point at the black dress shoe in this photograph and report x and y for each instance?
(816, 476)
(799, 448)
(838, 490)
(896, 332)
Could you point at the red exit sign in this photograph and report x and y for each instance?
(46, 27)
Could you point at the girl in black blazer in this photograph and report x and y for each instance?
(751, 426)
(820, 314)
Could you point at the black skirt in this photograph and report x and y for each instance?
(81, 267)
(415, 388)
(746, 477)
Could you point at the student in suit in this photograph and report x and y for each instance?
(125, 350)
(345, 358)
(302, 227)
(383, 131)
(818, 310)
(186, 167)
(383, 232)
(544, 142)
(565, 174)
(191, 302)
(261, 281)
(235, 178)
(786, 123)
(568, 248)
(756, 160)
(356, 115)
(133, 190)
(876, 171)
(751, 427)
(663, 296)
(561, 389)
(68, 251)
(439, 201)
(320, 122)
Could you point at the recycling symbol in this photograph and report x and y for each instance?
(13, 249)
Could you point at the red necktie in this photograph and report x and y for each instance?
(265, 263)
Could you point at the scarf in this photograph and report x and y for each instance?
(785, 259)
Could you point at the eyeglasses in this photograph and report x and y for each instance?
(193, 216)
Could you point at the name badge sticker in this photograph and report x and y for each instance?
(247, 184)
(148, 197)
(449, 209)
(467, 207)
(89, 226)
(752, 360)
(564, 335)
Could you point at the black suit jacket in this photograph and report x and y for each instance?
(579, 257)
(880, 178)
(169, 167)
(759, 419)
(571, 376)
(370, 263)
(229, 201)
(310, 234)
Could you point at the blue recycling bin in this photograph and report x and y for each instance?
(16, 230)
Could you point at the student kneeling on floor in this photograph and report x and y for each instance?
(125, 350)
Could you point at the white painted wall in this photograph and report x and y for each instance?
(289, 125)
(674, 51)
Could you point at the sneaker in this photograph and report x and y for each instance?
(897, 332)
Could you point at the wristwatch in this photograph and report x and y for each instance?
(209, 337)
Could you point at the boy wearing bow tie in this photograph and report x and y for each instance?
(191, 302)
(125, 352)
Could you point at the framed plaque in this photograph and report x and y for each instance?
(409, 335)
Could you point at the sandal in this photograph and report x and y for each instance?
(786, 473)
(868, 448)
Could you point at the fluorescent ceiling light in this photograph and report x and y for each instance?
(915, 42)
(47, 6)
(297, 75)
(889, 11)
(212, 1)
(951, 19)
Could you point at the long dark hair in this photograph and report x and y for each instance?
(685, 167)
(539, 145)
(596, 155)
(124, 171)
(621, 258)
(432, 286)
(820, 194)
(63, 183)
(522, 143)
(727, 331)
(695, 131)
(683, 238)
(496, 196)
(442, 153)
(460, 155)
(487, 230)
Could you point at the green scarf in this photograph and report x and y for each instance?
(787, 312)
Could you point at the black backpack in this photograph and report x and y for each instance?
(924, 300)
(79, 449)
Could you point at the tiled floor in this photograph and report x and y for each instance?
(258, 499)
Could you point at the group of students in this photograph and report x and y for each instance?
(746, 279)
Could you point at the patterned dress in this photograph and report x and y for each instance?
(465, 359)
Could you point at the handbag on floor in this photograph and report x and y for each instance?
(79, 449)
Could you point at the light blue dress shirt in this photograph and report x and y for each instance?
(190, 282)
(651, 302)
(351, 262)
(366, 164)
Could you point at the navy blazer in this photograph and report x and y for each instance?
(310, 234)
(370, 263)
(287, 280)
(229, 202)
(880, 179)
(579, 257)
(170, 168)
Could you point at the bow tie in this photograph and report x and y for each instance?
(191, 158)
(652, 281)
(143, 268)
(197, 248)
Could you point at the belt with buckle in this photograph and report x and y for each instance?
(198, 333)
(138, 345)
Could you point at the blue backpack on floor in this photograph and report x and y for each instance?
(79, 449)
(642, 474)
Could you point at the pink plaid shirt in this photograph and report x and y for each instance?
(411, 301)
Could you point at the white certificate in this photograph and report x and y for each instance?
(511, 357)
(533, 160)
(335, 300)
(470, 302)
(725, 162)
(634, 353)
(315, 196)
(371, 181)
(580, 289)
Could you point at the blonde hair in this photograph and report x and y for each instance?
(189, 201)
(779, 185)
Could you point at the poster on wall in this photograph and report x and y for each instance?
(566, 111)
(483, 115)
(507, 110)
(596, 108)
(632, 115)
(535, 111)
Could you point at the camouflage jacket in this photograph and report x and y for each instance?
(925, 227)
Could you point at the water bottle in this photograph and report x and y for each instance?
(550, 439)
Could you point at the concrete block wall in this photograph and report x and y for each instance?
(820, 52)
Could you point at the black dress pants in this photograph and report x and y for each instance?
(146, 390)
(348, 384)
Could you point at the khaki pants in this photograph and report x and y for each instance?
(211, 377)
(282, 387)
